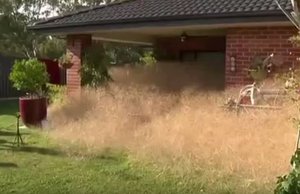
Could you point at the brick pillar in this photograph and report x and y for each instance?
(76, 45)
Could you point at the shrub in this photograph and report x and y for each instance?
(29, 76)
(65, 61)
(120, 54)
(290, 184)
(148, 59)
(56, 93)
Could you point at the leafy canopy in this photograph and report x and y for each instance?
(94, 70)
(290, 183)
(29, 76)
(17, 15)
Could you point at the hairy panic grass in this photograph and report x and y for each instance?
(187, 125)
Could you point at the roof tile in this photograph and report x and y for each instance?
(158, 9)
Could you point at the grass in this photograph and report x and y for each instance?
(185, 131)
(190, 126)
(41, 166)
(173, 141)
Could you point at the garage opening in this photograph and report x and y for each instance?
(208, 67)
(201, 60)
(197, 63)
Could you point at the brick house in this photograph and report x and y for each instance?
(230, 32)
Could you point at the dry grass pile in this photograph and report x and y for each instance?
(188, 126)
(170, 76)
(152, 113)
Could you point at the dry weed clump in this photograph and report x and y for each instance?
(188, 126)
(153, 113)
(168, 76)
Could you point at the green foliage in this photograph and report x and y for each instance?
(17, 15)
(68, 6)
(148, 58)
(295, 39)
(30, 76)
(290, 184)
(65, 61)
(65, 58)
(121, 54)
(17, 40)
(56, 93)
(291, 79)
(51, 48)
(257, 69)
(94, 71)
(98, 58)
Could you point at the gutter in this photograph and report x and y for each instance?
(209, 21)
(123, 41)
(236, 15)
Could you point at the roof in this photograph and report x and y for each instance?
(151, 11)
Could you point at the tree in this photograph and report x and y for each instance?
(120, 54)
(63, 6)
(17, 40)
(16, 15)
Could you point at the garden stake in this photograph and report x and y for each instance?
(298, 138)
(18, 137)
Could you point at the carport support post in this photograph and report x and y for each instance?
(75, 46)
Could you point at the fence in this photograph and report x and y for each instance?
(6, 89)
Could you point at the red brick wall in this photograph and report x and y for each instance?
(76, 45)
(242, 43)
(246, 43)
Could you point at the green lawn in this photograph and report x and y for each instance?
(41, 166)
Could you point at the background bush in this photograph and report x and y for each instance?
(56, 93)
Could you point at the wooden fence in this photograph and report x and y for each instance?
(6, 89)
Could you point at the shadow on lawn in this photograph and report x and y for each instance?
(8, 165)
(10, 146)
(38, 150)
(7, 134)
(3, 142)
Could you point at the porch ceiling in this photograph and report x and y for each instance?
(148, 35)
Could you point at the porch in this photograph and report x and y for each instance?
(219, 55)
(222, 42)
(186, 50)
